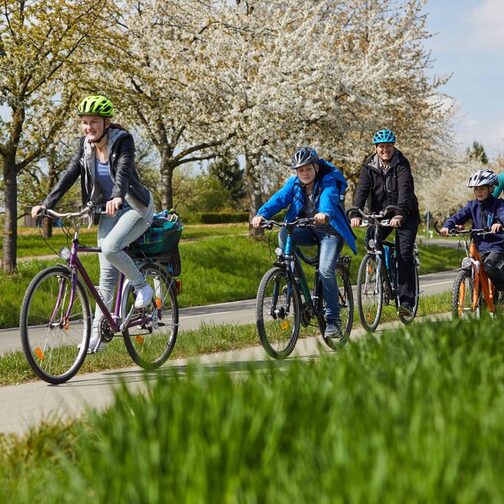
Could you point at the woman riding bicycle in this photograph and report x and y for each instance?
(317, 190)
(105, 161)
(485, 211)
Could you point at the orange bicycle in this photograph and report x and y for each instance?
(472, 287)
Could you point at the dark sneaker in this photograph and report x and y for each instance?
(333, 330)
(406, 310)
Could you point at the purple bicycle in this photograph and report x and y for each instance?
(56, 315)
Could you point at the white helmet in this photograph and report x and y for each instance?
(482, 177)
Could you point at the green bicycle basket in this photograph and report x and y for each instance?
(162, 238)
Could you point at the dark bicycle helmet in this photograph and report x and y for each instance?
(384, 136)
(96, 105)
(482, 177)
(303, 156)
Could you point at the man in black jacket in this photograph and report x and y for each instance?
(386, 178)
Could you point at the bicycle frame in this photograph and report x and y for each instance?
(76, 267)
(480, 279)
(291, 259)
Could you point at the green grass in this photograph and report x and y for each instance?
(412, 416)
(31, 243)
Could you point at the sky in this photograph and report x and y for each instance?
(469, 44)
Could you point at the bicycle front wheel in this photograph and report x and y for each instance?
(55, 331)
(369, 293)
(278, 313)
(463, 291)
(151, 333)
(346, 306)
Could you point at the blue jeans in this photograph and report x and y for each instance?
(330, 247)
(115, 233)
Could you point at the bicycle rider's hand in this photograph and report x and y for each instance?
(355, 222)
(256, 221)
(496, 227)
(320, 218)
(444, 231)
(36, 210)
(396, 221)
(112, 206)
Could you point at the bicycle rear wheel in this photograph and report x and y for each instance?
(278, 311)
(346, 305)
(407, 319)
(462, 295)
(151, 333)
(55, 338)
(369, 293)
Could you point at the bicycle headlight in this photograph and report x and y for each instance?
(65, 253)
(466, 263)
(371, 243)
(278, 252)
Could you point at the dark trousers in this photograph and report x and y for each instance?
(493, 262)
(405, 242)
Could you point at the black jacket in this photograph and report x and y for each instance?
(395, 187)
(122, 170)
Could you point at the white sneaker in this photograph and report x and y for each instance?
(143, 297)
(96, 345)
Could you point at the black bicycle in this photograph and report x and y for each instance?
(285, 302)
(377, 280)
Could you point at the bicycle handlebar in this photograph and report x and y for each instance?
(379, 215)
(302, 222)
(461, 232)
(69, 215)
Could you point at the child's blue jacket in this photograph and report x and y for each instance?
(329, 190)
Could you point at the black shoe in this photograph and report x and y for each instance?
(406, 310)
(333, 330)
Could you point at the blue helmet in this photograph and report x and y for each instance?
(384, 136)
(303, 156)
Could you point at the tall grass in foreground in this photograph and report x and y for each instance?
(412, 416)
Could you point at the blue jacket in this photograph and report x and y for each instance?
(329, 190)
(483, 215)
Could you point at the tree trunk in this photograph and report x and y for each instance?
(47, 227)
(253, 187)
(167, 169)
(10, 224)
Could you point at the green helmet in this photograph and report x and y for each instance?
(96, 105)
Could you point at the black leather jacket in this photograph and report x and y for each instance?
(395, 187)
(122, 169)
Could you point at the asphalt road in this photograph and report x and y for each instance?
(26, 405)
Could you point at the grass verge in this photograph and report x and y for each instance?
(412, 416)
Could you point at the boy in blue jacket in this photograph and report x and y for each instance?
(485, 211)
(316, 191)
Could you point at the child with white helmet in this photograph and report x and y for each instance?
(485, 212)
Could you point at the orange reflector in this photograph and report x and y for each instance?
(139, 339)
(158, 303)
(39, 353)
(284, 324)
(178, 284)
